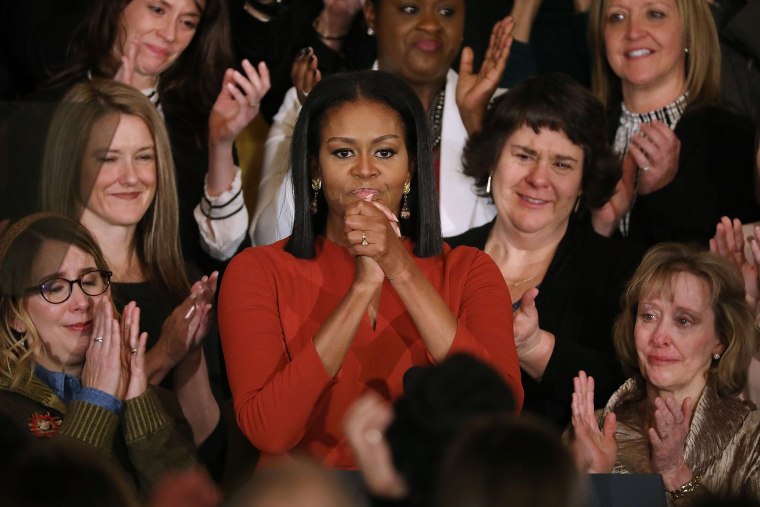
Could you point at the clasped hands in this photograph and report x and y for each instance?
(373, 238)
(595, 448)
(115, 358)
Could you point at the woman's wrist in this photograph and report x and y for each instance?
(157, 363)
(535, 359)
(675, 478)
(690, 487)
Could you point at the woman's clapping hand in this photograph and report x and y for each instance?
(238, 102)
(667, 437)
(728, 242)
(595, 449)
(184, 329)
(135, 342)
(305, 73)
(656, 149)
(474, 91)
(111, 365)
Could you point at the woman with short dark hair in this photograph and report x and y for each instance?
(541, 156)
(365, 288)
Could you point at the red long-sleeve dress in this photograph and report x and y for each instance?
(272, 304)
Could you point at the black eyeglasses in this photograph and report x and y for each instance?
(58, 290)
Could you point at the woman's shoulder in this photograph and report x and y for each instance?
(273, 252)
(475, 237)
(581, 244)
(469, 265)
(716, 119)
(276, 260)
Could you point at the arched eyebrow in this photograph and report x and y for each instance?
(565, 158)
(60, 274)
(351, 140)
(533, 153)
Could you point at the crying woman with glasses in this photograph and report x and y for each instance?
(69, 368)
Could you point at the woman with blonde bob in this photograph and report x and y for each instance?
(108, 164)
(686, 160)
(68, 367)
(686, 336)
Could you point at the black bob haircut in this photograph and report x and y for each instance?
(424, 225)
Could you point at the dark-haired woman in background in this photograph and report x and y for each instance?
(418, 42)
(178, 54)
(355, 296)
(542, 158)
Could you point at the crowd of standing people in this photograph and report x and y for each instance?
(379, 252)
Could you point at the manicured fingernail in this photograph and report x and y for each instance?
(302, 52)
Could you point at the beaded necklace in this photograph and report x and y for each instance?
(435, 116)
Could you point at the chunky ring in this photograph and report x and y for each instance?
(364, 239)
(98, 339)
(646, 168)
(134, 350)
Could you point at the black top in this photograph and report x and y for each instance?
(278, 41)
(578, 301)
(715, 178)
(155, 307)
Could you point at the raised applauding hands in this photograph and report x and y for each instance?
(534, 345)
(655, 148)
(606, 219)
(184, 329)
(728, 242)
(115, 358)
(305, 73)
(126, 72)
(595, 449)
(667, 439)
(474, 91)
(238, 102)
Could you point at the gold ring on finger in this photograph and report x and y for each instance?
(364, 239)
